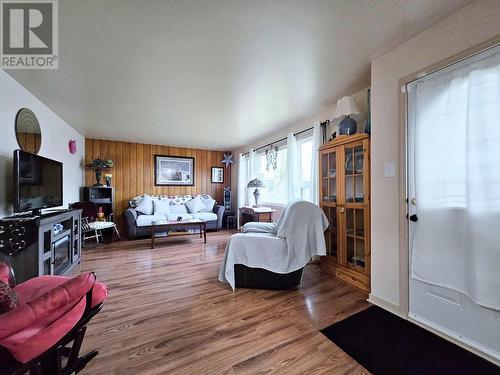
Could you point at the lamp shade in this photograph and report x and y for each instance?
(255, 183)
(347, 106)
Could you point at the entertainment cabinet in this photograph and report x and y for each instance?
(49, 244)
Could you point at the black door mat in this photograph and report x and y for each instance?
(384, 343)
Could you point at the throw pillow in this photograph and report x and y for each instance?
(208, 202)
(8, 298)
(145, 206)
(195, 205)
(162, 207)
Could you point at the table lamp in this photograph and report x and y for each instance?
(346, 107)
(256, 183)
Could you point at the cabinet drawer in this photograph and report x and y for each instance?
(356, 279)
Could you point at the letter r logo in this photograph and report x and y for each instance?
(27, 28)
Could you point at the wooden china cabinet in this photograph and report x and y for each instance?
(345, 200)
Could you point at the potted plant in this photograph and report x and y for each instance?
(98, 165)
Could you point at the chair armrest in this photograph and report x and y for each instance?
(131, 218)
(219, 210)
(256, 227)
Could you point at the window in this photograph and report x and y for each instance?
(274, 180)
(305, 163)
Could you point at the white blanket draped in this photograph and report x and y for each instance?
(299, 237)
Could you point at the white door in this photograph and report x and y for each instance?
(454, 201)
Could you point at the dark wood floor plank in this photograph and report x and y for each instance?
(168, 314)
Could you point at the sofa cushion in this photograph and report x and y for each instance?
(195, 205)
(161, 207)
(208, 202)
(145, 206)
(178, 208)
(185, 216)
(8, 298)
(146, 220)
(205, 216)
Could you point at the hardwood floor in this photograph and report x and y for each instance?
(168, 314)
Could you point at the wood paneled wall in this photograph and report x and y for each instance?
(133, 171)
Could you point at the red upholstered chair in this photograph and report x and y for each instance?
(43, 335)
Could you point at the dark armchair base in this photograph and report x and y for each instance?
(259, 278)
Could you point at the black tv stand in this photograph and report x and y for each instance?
(35, 247)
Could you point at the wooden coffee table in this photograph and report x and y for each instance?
(157, 226)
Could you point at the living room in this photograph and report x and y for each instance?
(249, 187)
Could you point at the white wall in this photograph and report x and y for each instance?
(55, 136)
(468, 27)
(324, 114)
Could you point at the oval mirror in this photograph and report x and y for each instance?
(28, 132)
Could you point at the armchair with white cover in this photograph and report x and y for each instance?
(273, 255)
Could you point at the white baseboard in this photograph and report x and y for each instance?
(463, 342)
(392, 308)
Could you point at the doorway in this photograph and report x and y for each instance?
(453, 155)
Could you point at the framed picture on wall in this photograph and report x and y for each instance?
(174, 170)
(217, 175)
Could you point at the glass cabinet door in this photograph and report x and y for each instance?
(355, 237)
(354, 172)
(329, 177)
(331, 234)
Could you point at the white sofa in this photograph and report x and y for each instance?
(138, 223)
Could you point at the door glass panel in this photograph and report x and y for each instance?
(359, 257)
(326, 210)
(332, 165)
(324, 165)
(349, 162)
(333, 189)
(332, 175)
(324, 189)
(358, 160)
(349, 189)
(333, 231)
(350, 249)
(359, 219)
(358, 189)
(349, 222)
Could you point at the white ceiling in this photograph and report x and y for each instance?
(215, 74)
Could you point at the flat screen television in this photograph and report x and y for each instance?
(38, 182)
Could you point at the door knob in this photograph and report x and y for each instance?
(342, 209)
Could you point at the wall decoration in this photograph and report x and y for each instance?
(271, 158)
(174, 171)
(28, 132)
(217, 175)
(228, 160)
(72, 146)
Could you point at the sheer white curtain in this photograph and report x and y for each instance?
(315, 165)
(456, 122)
(292, 168)
(242, 179)
(251, 174)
